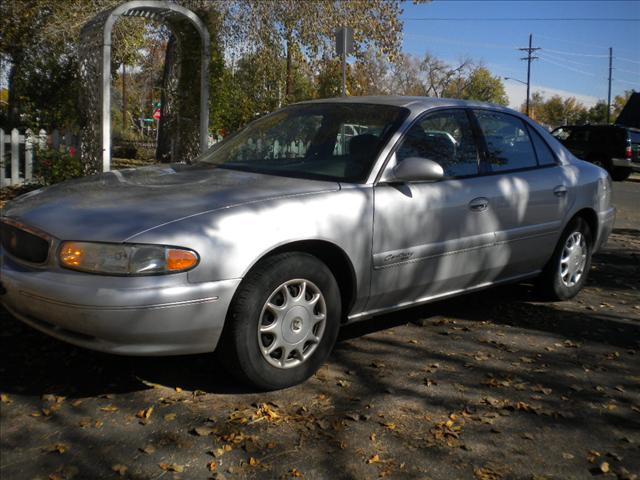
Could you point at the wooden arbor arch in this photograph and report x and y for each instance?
(184, 114)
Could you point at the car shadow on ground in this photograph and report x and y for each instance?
(35, 364)
(32, 363)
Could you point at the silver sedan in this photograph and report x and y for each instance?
(320, 214)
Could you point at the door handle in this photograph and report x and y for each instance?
(560, 191)
(479, 204)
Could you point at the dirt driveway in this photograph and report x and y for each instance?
(496, 385)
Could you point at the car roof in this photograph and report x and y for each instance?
(412, 103)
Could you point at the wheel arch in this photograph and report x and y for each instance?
(331, 255)
(590, 216)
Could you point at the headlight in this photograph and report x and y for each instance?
(125, 259)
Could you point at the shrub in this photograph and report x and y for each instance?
(53, 166)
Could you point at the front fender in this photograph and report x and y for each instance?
(231, 240)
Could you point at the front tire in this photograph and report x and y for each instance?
(282, 322)
(566, 272)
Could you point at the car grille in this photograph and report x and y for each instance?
(23, 244)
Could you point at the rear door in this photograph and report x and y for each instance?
(529, 192)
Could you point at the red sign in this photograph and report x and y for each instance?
(156, 114)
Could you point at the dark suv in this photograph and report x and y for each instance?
(613, 147)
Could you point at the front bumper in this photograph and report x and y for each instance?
(154, 315)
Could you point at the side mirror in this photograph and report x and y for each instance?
(417, 169)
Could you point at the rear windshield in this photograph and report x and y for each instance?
(634, 136)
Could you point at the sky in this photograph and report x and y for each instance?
(574, 55)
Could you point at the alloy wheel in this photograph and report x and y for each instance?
(292, 323)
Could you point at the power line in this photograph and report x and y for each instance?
(575, 54)
(625, 81)
(462, 43)
(547, 60)
(582, 44)
(559, 58)
(626, 71)
(628, 60)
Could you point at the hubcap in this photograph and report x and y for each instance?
(573, 259)
(292, 323)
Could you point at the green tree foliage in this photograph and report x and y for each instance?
(556, 110)
(619, 102)
(478, 85)
(38, 48)
(598, 113)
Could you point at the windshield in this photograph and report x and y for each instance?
(325, 141)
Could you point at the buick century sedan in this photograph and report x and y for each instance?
(320, 214)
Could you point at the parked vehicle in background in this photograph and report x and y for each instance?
(613, 147)
(274, 238)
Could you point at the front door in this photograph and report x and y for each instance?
(432, 238)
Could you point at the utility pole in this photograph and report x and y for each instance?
(609, 95)
(528, 58)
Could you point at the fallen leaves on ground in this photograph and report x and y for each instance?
(204, 431)
(120, 469)
(56, 447)
(109, 408)
(448, 432)
(488, 473)
(145, 413)
(373, 459)
(171, 467)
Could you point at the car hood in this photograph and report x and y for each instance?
(114, 206)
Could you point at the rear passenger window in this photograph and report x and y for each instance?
(544, 153)
(507, 140)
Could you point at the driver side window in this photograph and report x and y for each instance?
(445, 137)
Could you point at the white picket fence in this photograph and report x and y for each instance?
(17, 152)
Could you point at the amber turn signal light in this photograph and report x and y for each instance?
(71, 254)
(180, 260)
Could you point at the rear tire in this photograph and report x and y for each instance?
(620, 174)
(282, 322)
(566, 272)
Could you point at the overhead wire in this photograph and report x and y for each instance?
(548, 60)
(628, 60)
(627, 71)
(563, 59)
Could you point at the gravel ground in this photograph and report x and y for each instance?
(494, 385)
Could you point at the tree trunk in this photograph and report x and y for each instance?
(13, 116)
(124, 100)
(288, 91)
(164, 150)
